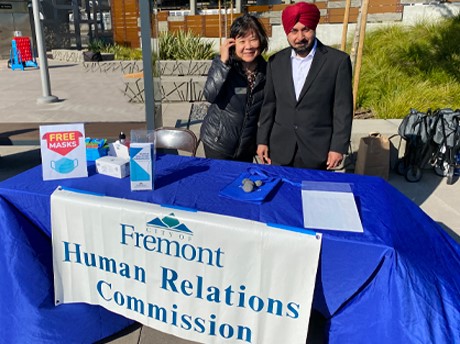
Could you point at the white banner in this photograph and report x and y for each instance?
(196, 275)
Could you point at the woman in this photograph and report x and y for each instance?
(234, 88)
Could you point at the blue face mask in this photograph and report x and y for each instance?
(64, 165)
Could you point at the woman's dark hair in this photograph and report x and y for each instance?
(247, 23)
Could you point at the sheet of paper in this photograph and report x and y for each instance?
(330, 206)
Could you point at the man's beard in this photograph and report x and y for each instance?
(302, 50)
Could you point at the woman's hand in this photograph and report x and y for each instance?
(225, 49)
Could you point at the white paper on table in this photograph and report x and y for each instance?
(330, 206)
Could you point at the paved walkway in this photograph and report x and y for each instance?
(98, 97)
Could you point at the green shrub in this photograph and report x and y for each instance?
(120, 52)
(123, 53)
(172, 46)
(181, 45)
(96, 46)
(411, 67)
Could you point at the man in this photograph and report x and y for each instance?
(307, 112)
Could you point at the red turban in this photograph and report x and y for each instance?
(305, 13)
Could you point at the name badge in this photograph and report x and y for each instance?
(241, 90)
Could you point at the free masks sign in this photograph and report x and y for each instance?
(63, 151)
(200, 276)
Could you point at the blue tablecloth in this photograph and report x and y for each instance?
(398, 282)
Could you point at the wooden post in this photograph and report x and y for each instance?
(346, 18)
(231, 11)
(220, 24)
(362, 34)
(225, 19)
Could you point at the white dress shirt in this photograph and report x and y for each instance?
(300, 68)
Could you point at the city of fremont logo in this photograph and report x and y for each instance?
(170, 223)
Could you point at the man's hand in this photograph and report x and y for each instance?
(262, 153)
(333, 160)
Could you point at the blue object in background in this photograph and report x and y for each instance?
(96, 148)
(18, 59)
(235, 191)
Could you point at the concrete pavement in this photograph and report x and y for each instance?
(98, 97)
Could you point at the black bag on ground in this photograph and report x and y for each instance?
(90, 56)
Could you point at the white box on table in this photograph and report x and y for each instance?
(113, 166)
(119, 149)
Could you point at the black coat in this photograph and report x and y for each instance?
(320, 121)
(230, 126)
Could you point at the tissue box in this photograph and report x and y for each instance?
(113, 166)
(119, 150)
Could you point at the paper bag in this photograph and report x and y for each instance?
(373, 156)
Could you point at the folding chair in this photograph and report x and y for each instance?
(176, 139)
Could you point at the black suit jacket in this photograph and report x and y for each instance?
(320, 121)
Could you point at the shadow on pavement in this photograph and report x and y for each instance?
(140, 334)
(5, 136)
(133, 331)
(449, 231)
(13, 164)
(434, 196)
(419, 191)
(62, 66)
